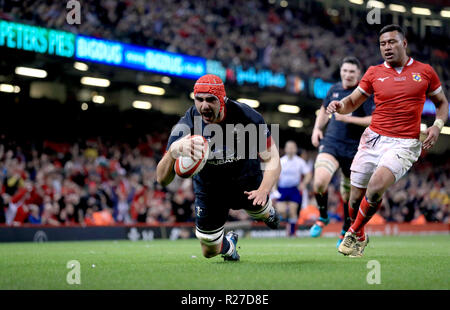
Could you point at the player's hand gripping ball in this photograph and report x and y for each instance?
(186, 166)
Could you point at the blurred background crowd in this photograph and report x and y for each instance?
(243, 33)
(97, 182)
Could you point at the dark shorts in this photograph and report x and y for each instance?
(213, 204)
(290, 194)
(343, 152)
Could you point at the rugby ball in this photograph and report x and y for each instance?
(186, 167)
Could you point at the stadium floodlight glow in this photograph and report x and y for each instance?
(397, 8)
(375, 4)
(445, 130)
(356, 1)
(295, 123)
(151, 90)
(284, 3)
(84, 106)
(287, 108)
(250, 102)
(166, 80)
(420, 11)
(144, 105)
(445, 13)
(433, 22)
(8, 88)
(32, 72)
(81, 66)
(92, 81)
(98, 99)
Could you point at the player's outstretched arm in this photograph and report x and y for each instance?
(347, 104)
(363, 121)
(321, 121)
(182, 147)
(272, 170)
(441, 103)
(164, 171)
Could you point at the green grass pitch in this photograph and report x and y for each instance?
(406, 262)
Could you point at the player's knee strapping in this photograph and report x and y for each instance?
(261, 213)
(210, 238)
(326, 164)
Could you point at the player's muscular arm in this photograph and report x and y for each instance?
(321, 121)
(356, 120)
(347, 104)
(182, 147)
(272, 170)
(441, 103)
(164, 171)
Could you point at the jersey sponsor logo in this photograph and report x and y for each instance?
(402, 78)
(382, 79)
(335, 95)
(417, 77)
(223, 161)
(221, 152)
(242, 141)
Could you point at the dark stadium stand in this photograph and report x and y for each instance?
(247, 33)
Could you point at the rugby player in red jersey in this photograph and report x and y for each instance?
(390, 145)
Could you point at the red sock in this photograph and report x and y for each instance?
(352, 212)
(361, 234)
(365, 213)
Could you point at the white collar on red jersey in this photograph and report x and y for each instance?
(400, 69)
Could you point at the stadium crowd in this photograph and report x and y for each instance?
(96, 182)
(91, 184)
(241, 33)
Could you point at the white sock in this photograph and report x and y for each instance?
(231, 249)
(262, 213)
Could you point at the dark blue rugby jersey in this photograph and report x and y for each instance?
(227, 162)
(340, 131)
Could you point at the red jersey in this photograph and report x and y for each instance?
(399, 95)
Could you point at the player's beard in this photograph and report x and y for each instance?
(208, 115)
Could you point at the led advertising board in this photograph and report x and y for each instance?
(37, 39)
(139, 58)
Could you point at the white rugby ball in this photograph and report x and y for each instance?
(186, 167)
